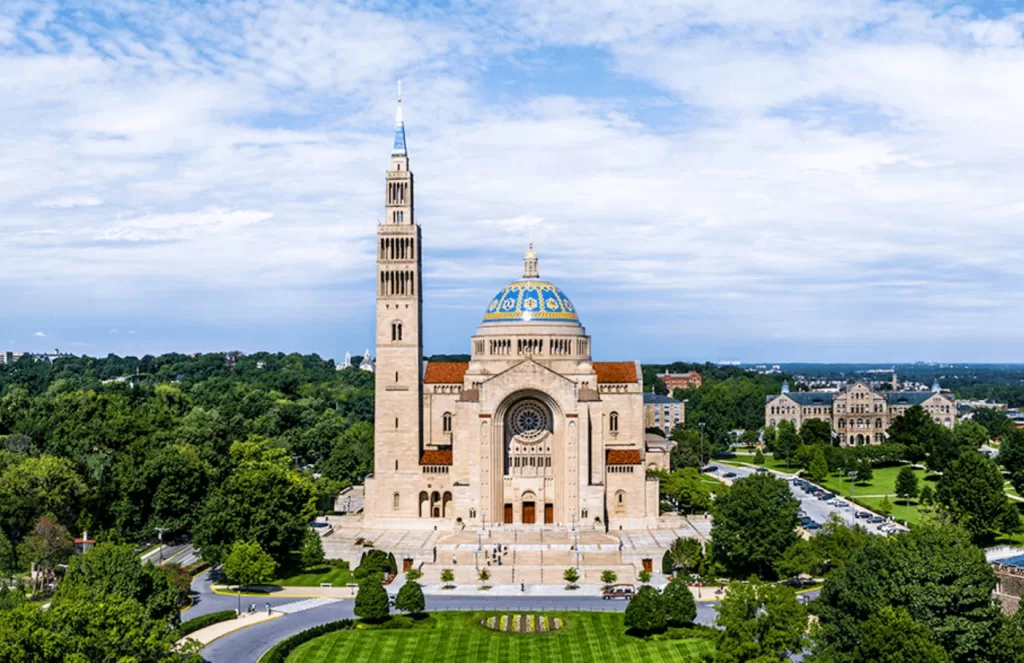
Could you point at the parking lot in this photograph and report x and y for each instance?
(815, 511)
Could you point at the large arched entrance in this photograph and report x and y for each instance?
(529, 459)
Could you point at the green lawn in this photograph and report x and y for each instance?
(313, 577)
(911, 514)
(882, 483)
(459, 638)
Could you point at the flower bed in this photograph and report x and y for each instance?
(523, 623)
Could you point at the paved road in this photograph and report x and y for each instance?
(812, 506)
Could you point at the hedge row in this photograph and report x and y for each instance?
(193, 625)
(279, 652)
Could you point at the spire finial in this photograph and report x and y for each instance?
(399, 146)
(530, 264)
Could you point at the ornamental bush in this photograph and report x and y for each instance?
(371, 600)
(646, 612)
(193, 625)
(410, 598)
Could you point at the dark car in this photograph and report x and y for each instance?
(863, 514)
(711, 468)
(876, 519)
(729, 475)
(811, 526)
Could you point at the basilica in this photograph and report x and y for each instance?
(529, 433)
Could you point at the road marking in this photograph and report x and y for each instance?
(302, 606)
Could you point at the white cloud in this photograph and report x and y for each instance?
(67, 202)
(39, 334)
(794, 170)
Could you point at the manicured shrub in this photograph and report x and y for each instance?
(645, 613)
(680, 608)
(410, 598)
(193, 625)
(371, 600)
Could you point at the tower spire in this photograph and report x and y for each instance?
(530, 264)
(399, 146)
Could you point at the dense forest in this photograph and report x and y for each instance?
(213, 444)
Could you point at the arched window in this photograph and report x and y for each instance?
(878, 423)
(397, 500)
(424, 502)
(396, 331)
(613, 422)
(446, 422)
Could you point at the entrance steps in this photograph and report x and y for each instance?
(530, 575)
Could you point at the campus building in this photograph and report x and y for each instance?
(663, 412)
(858, 414)
(530, 432)
(687, 380)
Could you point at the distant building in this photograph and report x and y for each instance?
(367, 364)
(8, 358)
(858, 414)
(663, 412)
(688, 380)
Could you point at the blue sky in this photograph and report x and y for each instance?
(707, 179)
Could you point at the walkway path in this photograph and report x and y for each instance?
(220, 629)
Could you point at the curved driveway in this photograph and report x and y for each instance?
(249, 643)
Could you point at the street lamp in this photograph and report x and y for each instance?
(160, 537)
(701, 425)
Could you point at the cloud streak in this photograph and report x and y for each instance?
(833, 179)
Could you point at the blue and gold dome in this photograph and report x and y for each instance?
(531, 300)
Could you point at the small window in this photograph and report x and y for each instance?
(620, 498)
(613, 422)
(446, 422)
(397, 500)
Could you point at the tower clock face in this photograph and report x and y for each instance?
(529, 421)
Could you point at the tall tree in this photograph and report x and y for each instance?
(677, 599)
(906, 484)
(39, 486)
(248, 565)
(754, 523)
(816, 431)
(759, 622)
(410, 598)
(787, 441)
(818, 469)
(371, 600)
(934, 572)
(645, 613)
(971, 491)
(892, 636)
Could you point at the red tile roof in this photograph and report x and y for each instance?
(445, 372)
(623, 457)
(436, 457)
(615, 371)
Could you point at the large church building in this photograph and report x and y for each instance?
(530, 432)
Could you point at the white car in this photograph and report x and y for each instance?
(842, 503)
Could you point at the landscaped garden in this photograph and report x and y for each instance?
(462, 638)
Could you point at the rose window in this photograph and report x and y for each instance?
(529, 421)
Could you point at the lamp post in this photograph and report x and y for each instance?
(701, 425)
(160, 538)
(479, 537)
(853, 505)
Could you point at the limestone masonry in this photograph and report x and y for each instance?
(529, 433)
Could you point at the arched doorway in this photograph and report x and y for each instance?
(529, 508)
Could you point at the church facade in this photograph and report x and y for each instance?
(530, 432)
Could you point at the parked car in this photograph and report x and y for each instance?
(863, 514)
(842, 503)
(876, 519)
(760, 470)
(729, 475)
(618, 592)
(825, 497)
(812, 526)
(711, 468)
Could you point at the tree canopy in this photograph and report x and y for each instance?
(754, 524)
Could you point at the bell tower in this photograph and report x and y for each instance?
(399, 372)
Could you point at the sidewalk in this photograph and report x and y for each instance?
(214, 631)
(290, 592)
